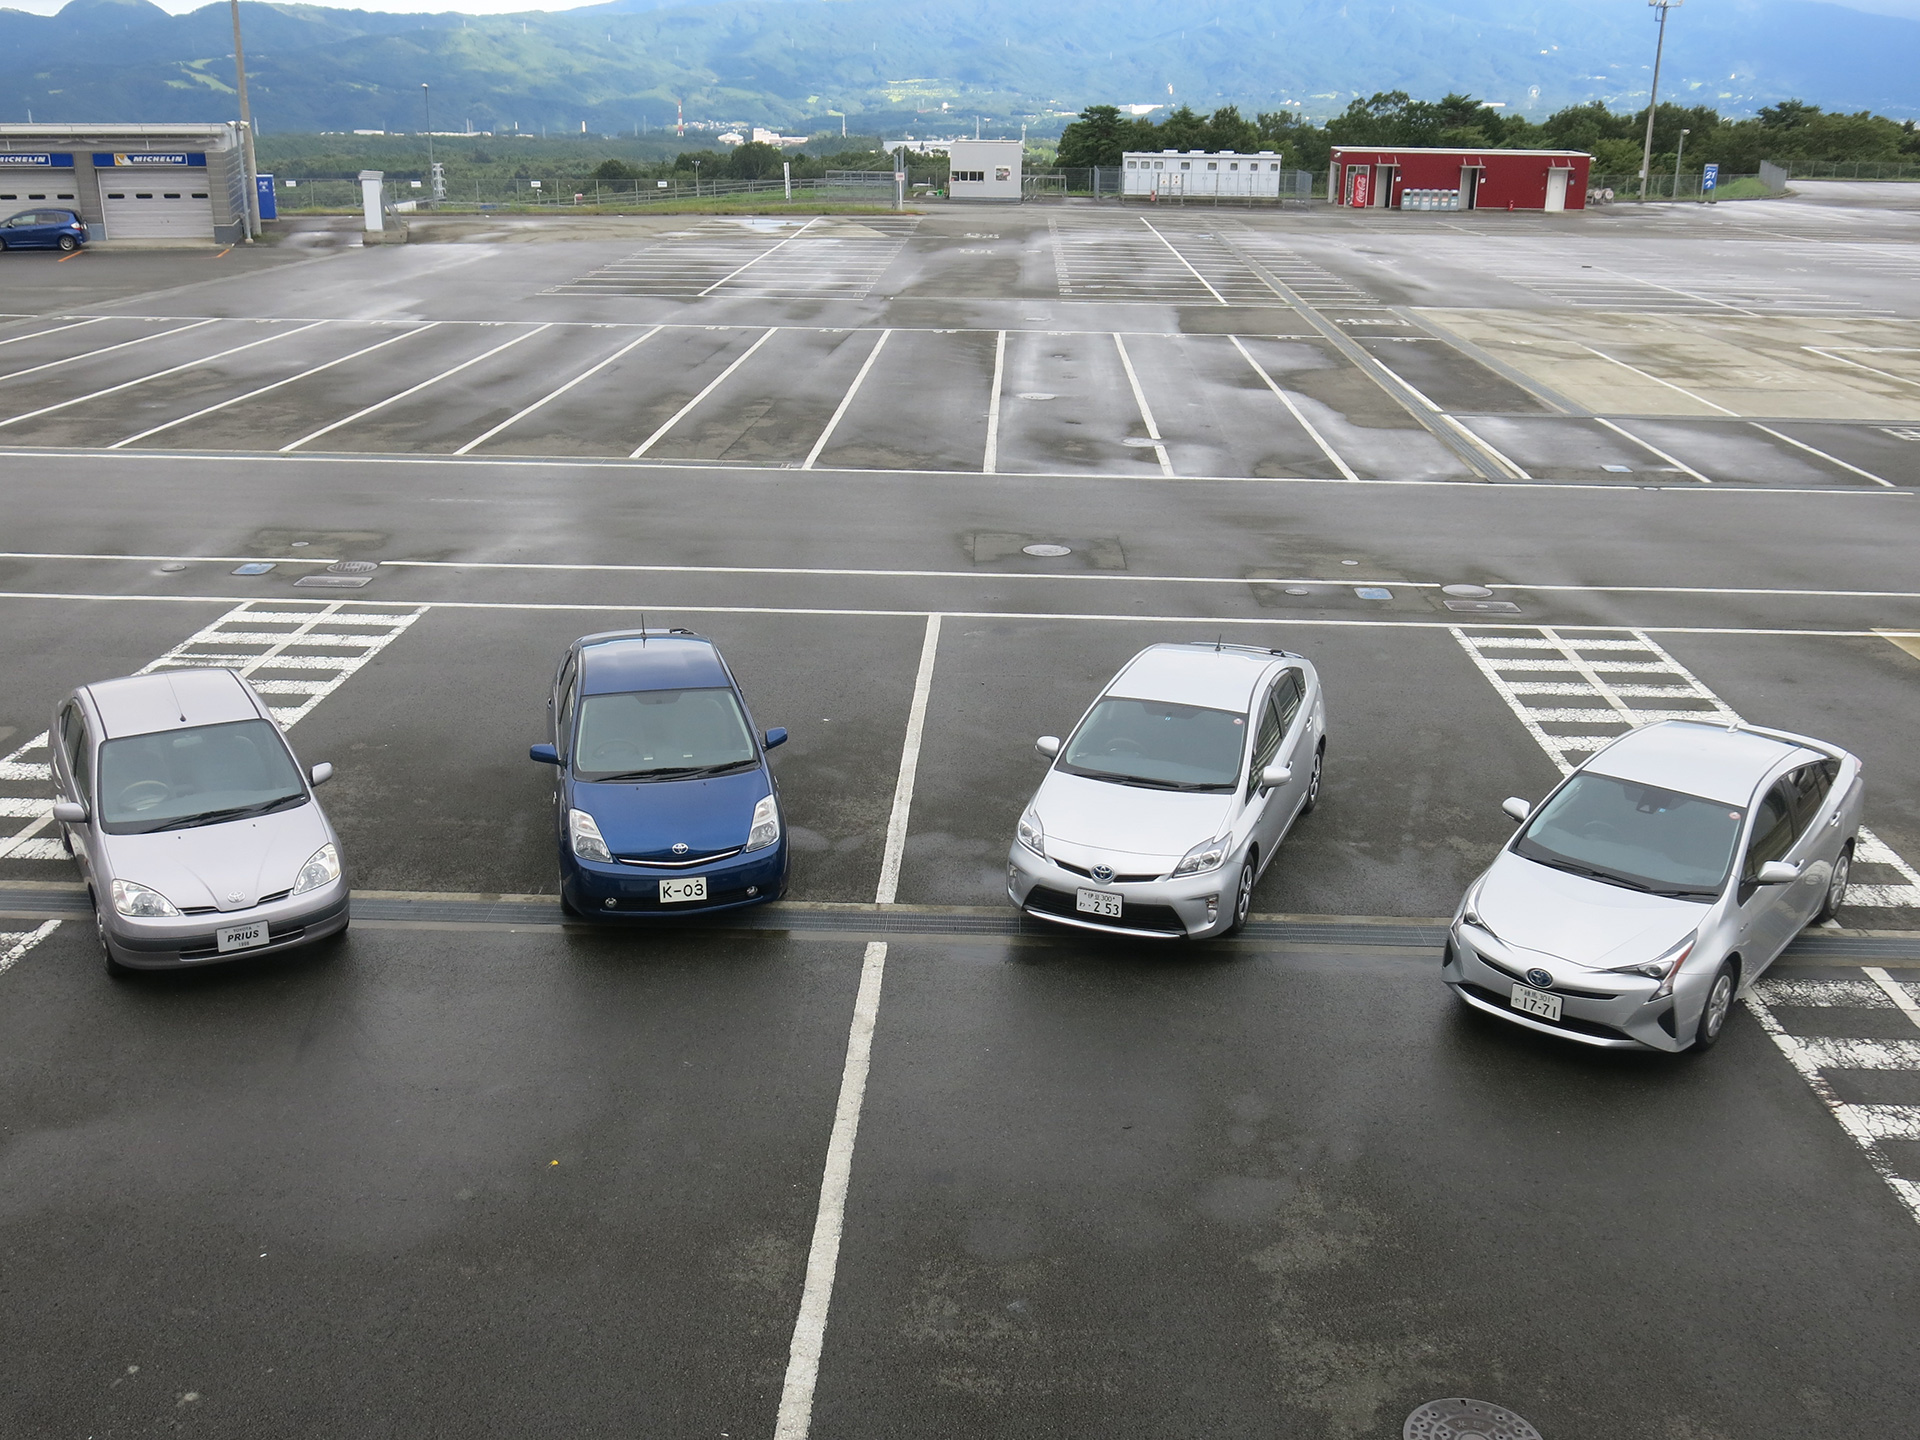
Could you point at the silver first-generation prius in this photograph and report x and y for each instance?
(193, 825)
(1658, 878)
(1173, 792)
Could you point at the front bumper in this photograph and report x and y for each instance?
(632, 892)
(192, 940)
(1192, 907)
(1613, 1012)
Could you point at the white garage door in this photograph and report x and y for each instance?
(20, 187)
(156, 204)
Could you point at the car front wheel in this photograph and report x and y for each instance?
(1836, 885)
(1313, 782)
(1242, 900)
(1718, 1007)
(114, 967)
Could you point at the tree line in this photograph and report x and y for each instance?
(1787, 133)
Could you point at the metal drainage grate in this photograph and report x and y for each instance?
(353, 567)
(1466, 592)
(1483, 607)
(1466, 1420)
(1047, 552)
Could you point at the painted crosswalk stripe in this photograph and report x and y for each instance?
(15, 943)
(267, 643)
(1577, 693)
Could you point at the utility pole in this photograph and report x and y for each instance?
(427, 101)
(246, 128)
(1679, 155)
(1653, 100)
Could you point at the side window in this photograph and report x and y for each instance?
(73, 743)
(1772, 828)
(1810, 785)
(1267, 738)
(1288, 692)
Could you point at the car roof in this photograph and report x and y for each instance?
(1194, 674)
(168, 699)
(617, 663)
(1712, 761)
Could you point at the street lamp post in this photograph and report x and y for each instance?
(1653, 100)
(696, 179)
(246, 128)
(426, 102)
(1678, 156)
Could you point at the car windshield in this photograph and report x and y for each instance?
(1158, 744)
(1638, 836)
(662, 734)
(197, 776)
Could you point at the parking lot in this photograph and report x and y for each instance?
(476, 1171)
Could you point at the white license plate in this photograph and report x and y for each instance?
(674, 892)
(1536, 1002)
(240, 937)
(1097, 902)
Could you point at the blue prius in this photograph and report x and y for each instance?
(664, 804)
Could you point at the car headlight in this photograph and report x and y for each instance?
(585, 837)
(142, 901)
(322, 868)
(1663, 969)
(1207, 855)
(1031, 835)
(766, 824)
(1470, 909)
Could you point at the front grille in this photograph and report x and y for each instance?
(277, 895)
(1513, 974)
(1566, 1022)
(1161, 919)
(1116, 880)
(667, 860)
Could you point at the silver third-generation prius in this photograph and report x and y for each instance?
(193, 825)
(1662, 875)
(1173, 792)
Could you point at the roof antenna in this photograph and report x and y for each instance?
(1217, 643)
(643, 627)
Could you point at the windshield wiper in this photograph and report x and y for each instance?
(236, 812)
(1605, 877)
(672, 772)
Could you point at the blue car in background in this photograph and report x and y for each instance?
(43, 230)
(663, 802)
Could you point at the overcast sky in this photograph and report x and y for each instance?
(1908, 8)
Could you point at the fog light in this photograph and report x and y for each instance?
(753, 889)
(609, 902)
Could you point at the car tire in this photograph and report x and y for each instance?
(1718, 1008)
(1836, 895)
(67, 242)
(566, 907)
(114, 967)
(1242, 899)
(1313, 782)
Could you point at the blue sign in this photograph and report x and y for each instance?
(1709, 177)
(123, 159)
(269, 210)
(42, 161)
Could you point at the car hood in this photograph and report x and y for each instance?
(645, 821)
(1569, 917)
(1097, 817)
(226, 866)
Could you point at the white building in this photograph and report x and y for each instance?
(983, 169)
(1172, 173)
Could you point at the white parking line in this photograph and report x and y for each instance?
(823, 1255)
(1184, 261)
(105, 349)
(481, 439)
(1146, 415)
(36, 334)
(1654, 449)
(1883, 374)
(413, 389)
(990, 463)
(845, 400)
(1830, 459)
(713, 385)
(1644, 375)
(237, 399)
(758, 258)
(15, 943)
(1345, 470)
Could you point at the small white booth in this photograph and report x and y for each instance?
(983, 169)
(1169, 174)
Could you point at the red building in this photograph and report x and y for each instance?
(1418, 178)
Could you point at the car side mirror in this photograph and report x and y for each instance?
(545, 754)
(776, 736)
(1776, 872)
(1516, 808)
(70, 812)
(1274, 776)
(1048, 745)
(320, 773)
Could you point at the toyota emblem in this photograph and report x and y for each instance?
(233, 897)
(1103, 873)
(680, 847)
(1539, 979)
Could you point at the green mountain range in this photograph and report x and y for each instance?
(911, 64)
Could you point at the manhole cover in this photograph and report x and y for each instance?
(253, 567)
(1046, 552)
(1466, 1420)
(1139, 442)
(1483, 607)
(1373, 592)
(331, 582)
(173, 567)
(353, 567)
(1298, 590)
(1466, 592)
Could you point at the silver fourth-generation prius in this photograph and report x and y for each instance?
(1662, 875)
(1173, 792)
